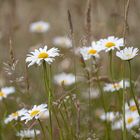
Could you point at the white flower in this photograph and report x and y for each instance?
(28, 133)
(39, 27)
(132, 119)
(111, 87)
(111, 43)
(127, 53)
(5, 91)
(44, 115)
(88, 52)
(15, 115)
(62, 42)
(94, 93)
(132, 106)
(109, 116)
(34, 113)
(42, 54)
(63, 78)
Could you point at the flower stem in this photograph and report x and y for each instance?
(42, 128)
(131, 87)
(47, 81)
(123, 103)
(103, 102)
(111, 65)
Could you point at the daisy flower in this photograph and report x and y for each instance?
(34, 113)
(64, 78)
(132, 106)
(39, 27)
(127, 53)
(111, 87)
(110, 116)
(42, 54)
(15, 115)
(88, 52)
(111, 43)
(44, 115)
(94, 93)
(5, 91)
(131, 119)
(28, 134)
(62, 42)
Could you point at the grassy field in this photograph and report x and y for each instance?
(69, 70)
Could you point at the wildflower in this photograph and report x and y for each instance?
(44, 115)
(42, 54)
(111, 87)
(132, 106)
(88, 52)
(127, 53)
(111, 43)
(5, 91)
(94, 93)
(34, 113)
(15, 116)
(39, 27)
(131, 119)
(28, 134)
(110, 116)
(62, 42)
(64, 79)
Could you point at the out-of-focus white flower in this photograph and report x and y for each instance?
(132, 106)
(15, 115)
(111, 87)
(111, 43)
(28, 134)
(62, 41)
(127, 53)
(34, 113)
(94, 93)
(88, 52)
(42, 54)
(39, 27)
(110, 116)
(5, 91)
(132, 119)
(64, 78)
(44, 115)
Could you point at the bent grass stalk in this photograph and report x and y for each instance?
(131, 87)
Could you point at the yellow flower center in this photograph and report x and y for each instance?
(39, 27)
(116, 85)
(133, 108)
(129, 120)
(43, 55)
(92, 51)
(129, 55)
(34, 112)
(110, 44)
(2, 94)
(15, 114)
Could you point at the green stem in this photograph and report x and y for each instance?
(123, 103)
(47, 81)
(111, 65)
(102, 100)
(61, 132)
(42, 128)
(131, 86)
